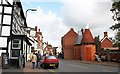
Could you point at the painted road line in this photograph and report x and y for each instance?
(78, 66)
(51, 71)
(106, 71)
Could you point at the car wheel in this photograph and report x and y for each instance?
(57, 66)
(43, 66)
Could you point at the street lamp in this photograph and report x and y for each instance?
(30, 10)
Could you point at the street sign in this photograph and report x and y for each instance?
(3, 42)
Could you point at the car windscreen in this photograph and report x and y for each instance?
(50, 57)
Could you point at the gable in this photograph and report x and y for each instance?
(70, 33)
(106, 38)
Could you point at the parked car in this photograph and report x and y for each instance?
(50, 61)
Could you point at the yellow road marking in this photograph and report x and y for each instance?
(51, 71)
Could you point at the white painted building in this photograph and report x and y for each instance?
(14, 38)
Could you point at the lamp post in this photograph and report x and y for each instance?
(30, 10)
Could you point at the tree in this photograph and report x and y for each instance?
(116, 17)
(97, 43)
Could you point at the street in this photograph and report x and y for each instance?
(67, 66)
(76, 66)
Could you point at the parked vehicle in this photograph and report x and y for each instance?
(50, 61)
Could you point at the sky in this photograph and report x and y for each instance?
(56, 17)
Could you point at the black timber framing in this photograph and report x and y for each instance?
(10, 25)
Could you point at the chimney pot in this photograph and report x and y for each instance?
(35, 28)
(82, 31)
(72, 29)
(39, 30)
(105, 34)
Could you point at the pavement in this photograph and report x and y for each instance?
(28, 68)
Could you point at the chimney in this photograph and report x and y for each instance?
(105, 34)
(72, 29)
(98, 38)
(35, 28)
(82, 31)
(39, 30)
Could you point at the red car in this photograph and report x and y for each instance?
(50, 61)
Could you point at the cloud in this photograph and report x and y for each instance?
(77, 13)
(51, 25)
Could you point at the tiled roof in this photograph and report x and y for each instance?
(71, 31)
(87, 37)
(106, 37)
(78, 40)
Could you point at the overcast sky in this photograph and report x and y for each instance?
(56, 17)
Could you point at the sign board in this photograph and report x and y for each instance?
(3, 41)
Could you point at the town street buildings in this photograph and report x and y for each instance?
(79, 46)
(16, 38)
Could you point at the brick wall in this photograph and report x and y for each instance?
(106, 43)
(77, 52)
(68, 41)
(88, 52)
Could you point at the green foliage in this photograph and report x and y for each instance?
(116, 9)
(116, 17)
(117, 36)
(115, 27)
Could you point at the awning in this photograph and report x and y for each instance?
(27, 41)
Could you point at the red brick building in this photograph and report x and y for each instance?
(68, 41)
(78, 46)
(106, 42)
(88, 49)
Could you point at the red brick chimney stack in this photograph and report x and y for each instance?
(105, 34)
(72, 29)
(98, 38)
(39, 30)
(82, 31)
(36, 28)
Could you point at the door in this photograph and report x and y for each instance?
(88, 54)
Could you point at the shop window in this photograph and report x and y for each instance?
(7, 19)
(15, 53)
(16, 44)
(5, 30)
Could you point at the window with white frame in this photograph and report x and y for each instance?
(16, 44)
